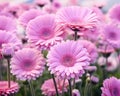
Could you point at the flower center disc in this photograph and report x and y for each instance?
(68, 60)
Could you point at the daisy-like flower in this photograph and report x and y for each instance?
(112, 35)
(114, 12)
(48, 87)
(41, 32)
(111, 87)
(91, 48)
(11, 39)
(68, 59)
(27, 64)
(7, 24)
(29, 15)
(5, 90)
(76, 18)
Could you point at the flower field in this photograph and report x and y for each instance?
(48, 48)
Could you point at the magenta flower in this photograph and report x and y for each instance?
(91, 48)
(111, 87)
(48, 87)
(27, 64)
(112, 35)
(5, 90)
(114, 12)
(7, 24)
(41, 32)
(75, 92)
(75, 17)
(8, 38)
(29, 15)
(68, 59)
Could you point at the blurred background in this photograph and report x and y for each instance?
(108, 3)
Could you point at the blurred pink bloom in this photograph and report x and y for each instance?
(112, 35)
(99, 13)
(75, 92)
(7, 49)
(94, 79)
(112, 62)
(91, 48)
(5, 90)
(29, 15)
(48, 87)
(76, 18)
(114, 13)
(27, 64)
(7, 24)
(68, 59)
(52, 7)
(111, 87)
(42, 33)
(41, 3)
(8, 38)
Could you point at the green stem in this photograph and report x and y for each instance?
(8, 72)
(31, 89)
(55, 85)
(70, 88)
(25, 90)
(86, 89)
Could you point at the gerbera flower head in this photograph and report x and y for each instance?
(48, 87)
(68, 59)
(41, 32)
(29, 15)
(7, 24)
(91, 48)
(114, 13)
(111, 87)
(112, 35)
(5, 90)
(11, 39)
(27, 64)
(76, 18)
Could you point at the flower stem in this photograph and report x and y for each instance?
(70, 88)
(8, 72)
(31, 89)
(1, 61)
(86, 89)
(74, 85)
(63, 87)
(75, 35)
(55, 85)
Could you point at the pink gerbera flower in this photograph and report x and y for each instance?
(27, 64)
(68, 59)
(111, 87)
(9, 43)
(91, 48)
(112, 35)
(5, 90)
(29, 15)
(41, 32)
(48, 87)
(114, 12)
(76, 18)
(7, 24)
